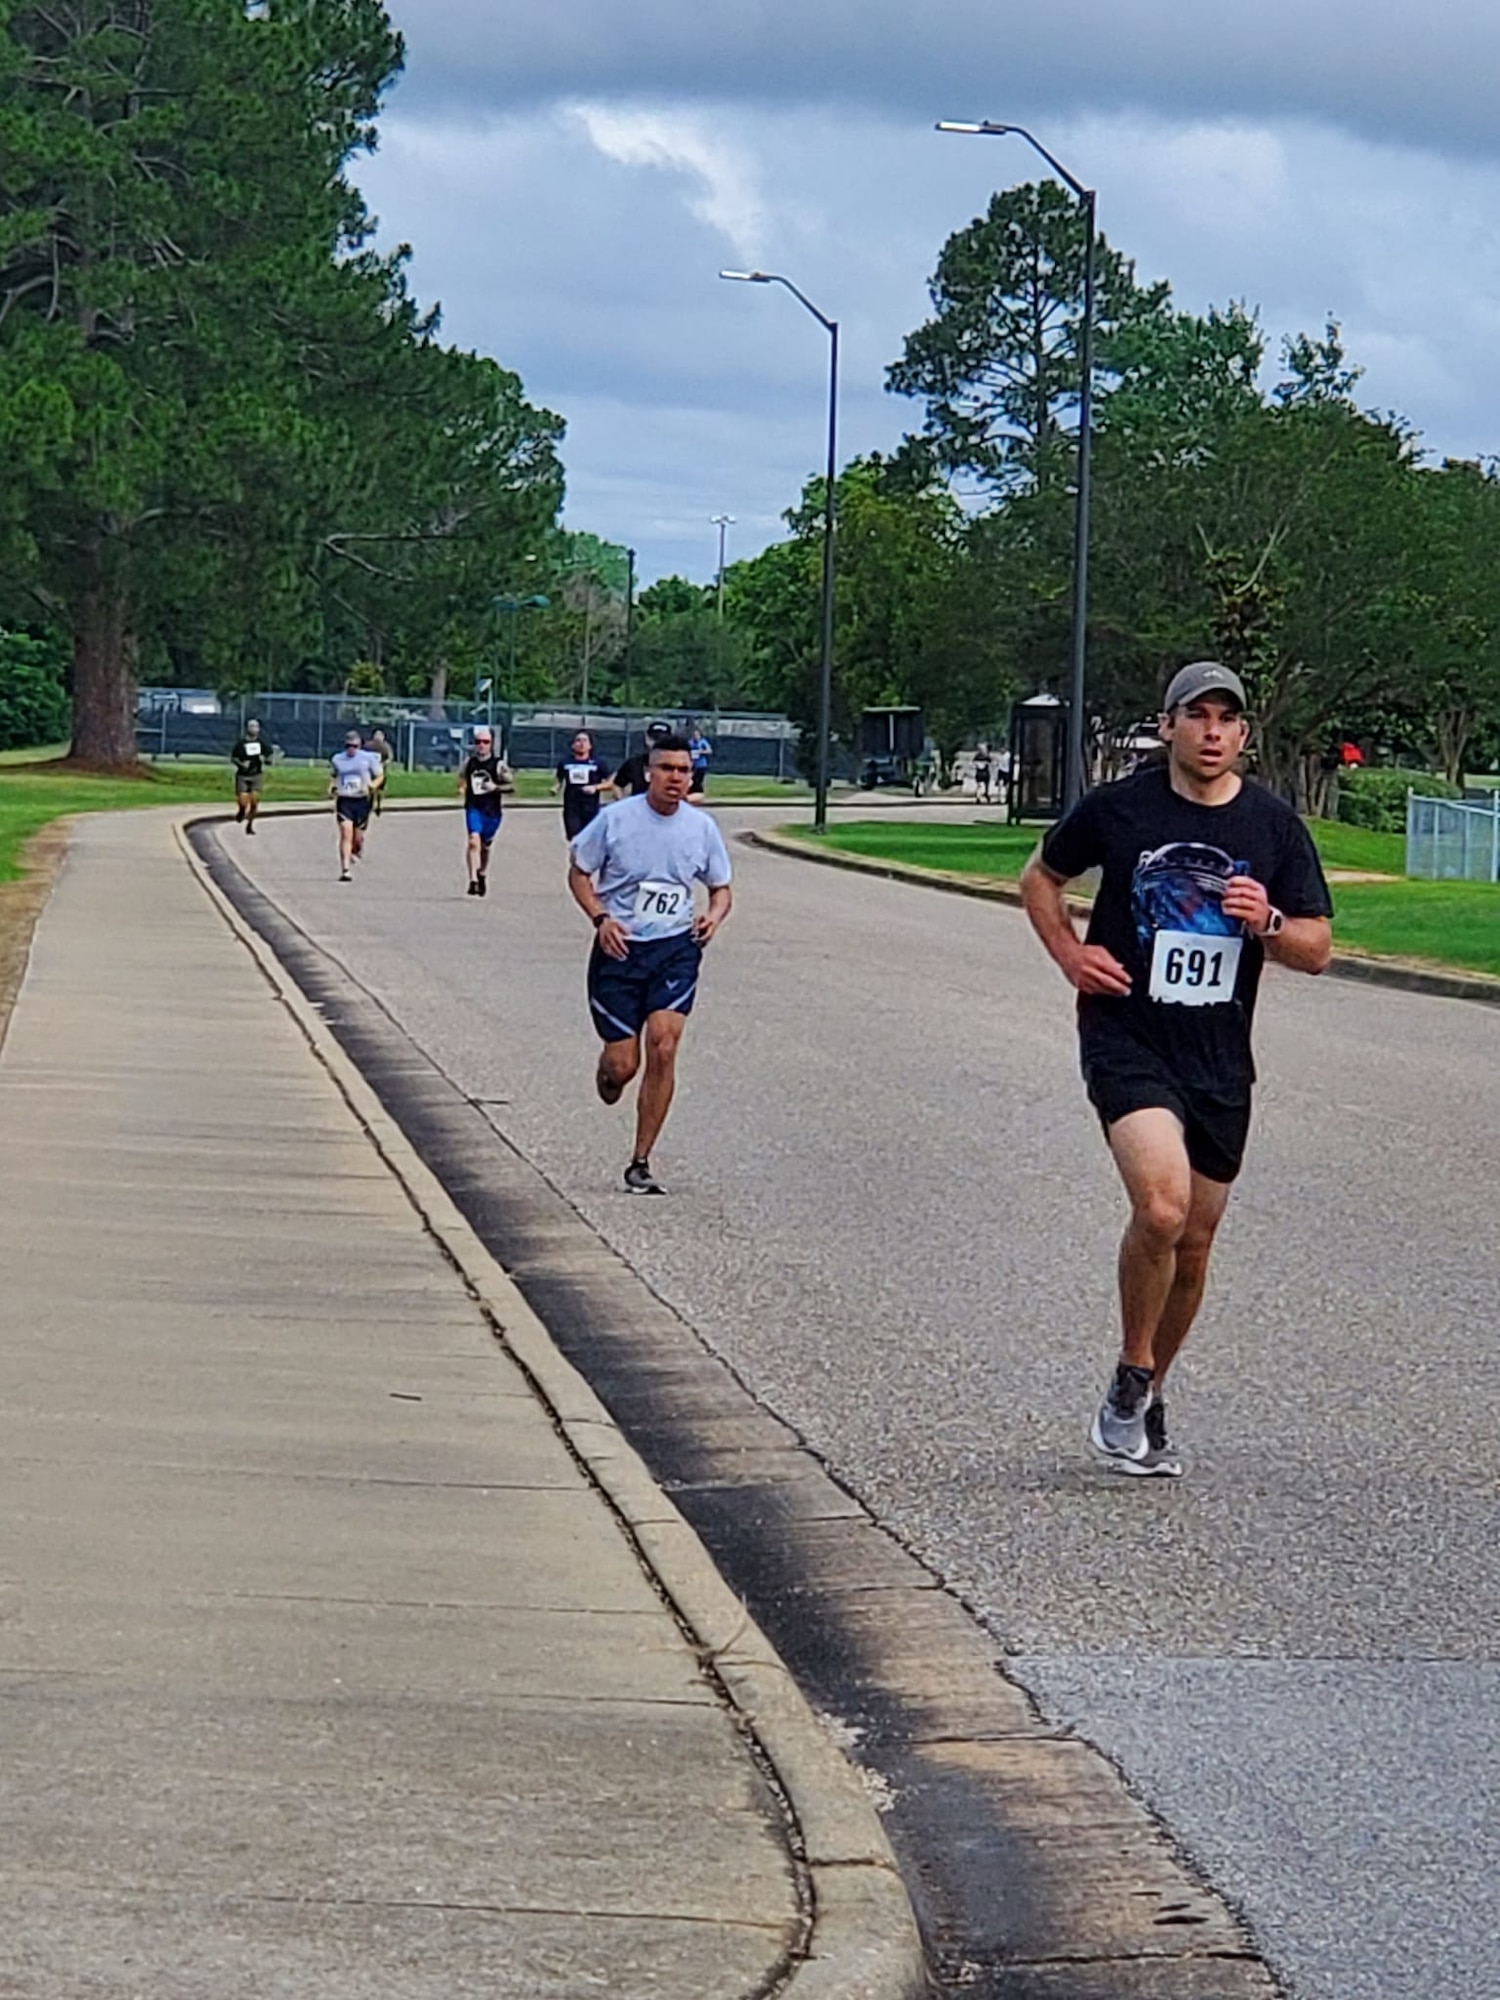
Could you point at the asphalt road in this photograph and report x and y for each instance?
(891, 1211)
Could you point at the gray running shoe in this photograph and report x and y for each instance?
(640, 1179)
(1160, 1461)
(1119, 1430)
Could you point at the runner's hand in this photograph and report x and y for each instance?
(1095, 970)
(614, 939)
(704, 928)
(1246, 899)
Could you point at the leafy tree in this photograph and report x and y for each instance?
(998, 363)
(33, 700)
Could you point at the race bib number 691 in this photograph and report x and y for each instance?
(1189, 969)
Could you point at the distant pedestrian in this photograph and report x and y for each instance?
(1204, 875)
(382, 749)
(357, 777)
(581, 779)
(631, 776)
(483, 780)
(700, 750)
(250, 758)
(984, 773)
(633, 872)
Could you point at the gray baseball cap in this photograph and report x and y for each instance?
(1201, 678)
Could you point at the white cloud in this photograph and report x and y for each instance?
(728, 197)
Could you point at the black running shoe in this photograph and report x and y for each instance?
(481, 885)
(473, 888)
(640, 1179)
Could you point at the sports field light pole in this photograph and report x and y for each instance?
(825, 684)
(1074, 774)
(723, 522)
(513, 607)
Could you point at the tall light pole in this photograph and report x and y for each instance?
(722, 522)
(629, 618)
(512, 607)
(1075, 776)
(825, 682)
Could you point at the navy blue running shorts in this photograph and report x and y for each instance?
(660, 976)
(357, 810)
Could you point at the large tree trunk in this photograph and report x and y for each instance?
(437, 693)
(104, 657)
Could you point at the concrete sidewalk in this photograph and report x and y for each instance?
(327, 1667)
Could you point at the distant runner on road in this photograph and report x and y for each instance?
(581, 778)
(700, 750)
(250, 757)
(379, 746)
(1205, 874)
(630, 779)
(632, 873)
(357, 777)
(483, 780)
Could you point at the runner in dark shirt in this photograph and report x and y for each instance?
(580, 778)
(1203, 875)
(250, 756)
(483, 780)
(631, 776)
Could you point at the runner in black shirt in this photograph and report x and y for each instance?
(250, 756)
(1203, 874)
(631, 776)
(580, 778)
(483, 779)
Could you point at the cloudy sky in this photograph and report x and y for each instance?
(572, 174)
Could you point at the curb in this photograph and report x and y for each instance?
(1393, 972)
(863, 1942)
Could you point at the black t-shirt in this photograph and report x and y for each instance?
(1165, 863)
(575, 775)
(250, 755)
(631, 776)
(481, 776)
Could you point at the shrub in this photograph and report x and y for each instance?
(1377, 799)
(34, 704)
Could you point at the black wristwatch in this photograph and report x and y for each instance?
(603, 918)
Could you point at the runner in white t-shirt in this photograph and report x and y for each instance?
(633, 874)
(357, 776)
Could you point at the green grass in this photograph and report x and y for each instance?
(1447, 923)
(31, 796)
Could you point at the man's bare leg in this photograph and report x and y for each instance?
(1206, 1207)
(654, 1100)
(618, 1063)
(1151, 1155)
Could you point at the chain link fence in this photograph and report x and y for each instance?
(427, 736)
(1449, 841)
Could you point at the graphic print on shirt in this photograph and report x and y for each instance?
(1177, 897)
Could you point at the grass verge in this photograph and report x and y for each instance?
(1451, 924)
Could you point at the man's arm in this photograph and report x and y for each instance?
(1305, 944)
(720, 903)
(1088, 967)
(611, 933)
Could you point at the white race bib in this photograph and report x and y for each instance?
(580, 774)
(1191, 969)
(661, 909)
(353, 784)
(252, 753)
(480, 783)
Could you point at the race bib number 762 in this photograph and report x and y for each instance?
(1191, 969)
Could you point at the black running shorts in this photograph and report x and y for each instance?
(1120, 1081)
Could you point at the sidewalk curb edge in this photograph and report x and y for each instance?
(864, 1942)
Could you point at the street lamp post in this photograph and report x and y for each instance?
(825, 679)
(1075, 777)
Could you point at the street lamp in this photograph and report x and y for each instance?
(513, 607)
(1074, 773)
(721, 522)
(825, 684)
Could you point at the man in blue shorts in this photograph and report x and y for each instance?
(483, 780)
(632, 873)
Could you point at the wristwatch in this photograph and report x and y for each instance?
(1274, 922)
(603, 918)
